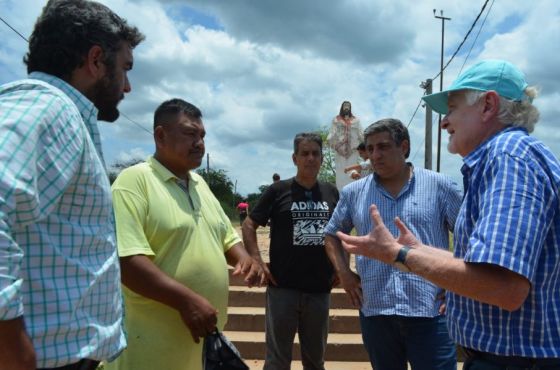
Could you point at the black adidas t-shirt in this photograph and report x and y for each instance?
(297, 249)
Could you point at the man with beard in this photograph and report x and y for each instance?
(344, 136)
(60, 298)
(175, 242)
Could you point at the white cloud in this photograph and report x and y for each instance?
(270, 69)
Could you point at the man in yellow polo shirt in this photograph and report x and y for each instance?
(174, 242)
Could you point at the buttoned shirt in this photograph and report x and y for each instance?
(511, 218)
(428, 204)
(58, 260)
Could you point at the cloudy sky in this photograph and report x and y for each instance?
(263, 70)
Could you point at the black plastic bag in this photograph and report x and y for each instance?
(218, 353)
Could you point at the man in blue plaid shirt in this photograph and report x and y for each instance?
(60, 297)
(504, 280)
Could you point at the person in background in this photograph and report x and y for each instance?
(406, 309)
(363, 168)
(243, 209)
(60, 294)
(175, 243)
(300, 276)
(503, 279)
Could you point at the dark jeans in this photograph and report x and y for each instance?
(393, 340)
(289, 311)
(84, 364)
(242, 217)
(487, 361)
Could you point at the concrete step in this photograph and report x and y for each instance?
(242, 296)
(253, 319)
(329, 365)
(340, 347)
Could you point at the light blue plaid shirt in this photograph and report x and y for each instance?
(511, 217)
(58, 260)
(428, 204)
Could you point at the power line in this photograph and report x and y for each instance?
(422, 143)
(476, 38)
(459, 48)
(122, 114)
(13, 29)
(136, 123)
(414, 114)
(462, 42)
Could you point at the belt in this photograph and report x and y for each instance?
(517, 361)
(84, 364)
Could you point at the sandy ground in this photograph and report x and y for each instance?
(262, 240)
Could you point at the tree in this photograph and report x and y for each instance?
(222, 188)
(218, 181)
(327, 172)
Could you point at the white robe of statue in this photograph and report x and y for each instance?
(345, 135)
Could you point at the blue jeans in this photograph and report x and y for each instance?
(289, 311)
(392, 341)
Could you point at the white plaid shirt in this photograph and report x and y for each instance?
(58, 261)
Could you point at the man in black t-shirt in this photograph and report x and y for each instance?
(300, 275)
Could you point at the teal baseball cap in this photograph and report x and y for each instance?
(489, 75)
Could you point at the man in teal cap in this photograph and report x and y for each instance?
(503, 280)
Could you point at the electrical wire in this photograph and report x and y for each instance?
(122, 114)
(423, 141)
(136, 123)
(13, 29)
(415, 111)
(462, 42)
(454, 54)
(476, 38)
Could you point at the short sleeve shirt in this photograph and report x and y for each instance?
(297, 247)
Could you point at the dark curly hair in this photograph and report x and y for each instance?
(67, 29)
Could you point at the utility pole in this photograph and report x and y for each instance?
(443, 19)
(233, 197)
(427, 85)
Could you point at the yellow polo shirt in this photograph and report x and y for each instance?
(186, 236)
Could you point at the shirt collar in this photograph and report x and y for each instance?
(87, 109)
(85, 106)
(472, 159)
(406, 186)
(164, 173)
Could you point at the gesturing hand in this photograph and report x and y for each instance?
(379, 244)
(406, 237)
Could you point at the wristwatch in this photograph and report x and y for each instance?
(400, 261)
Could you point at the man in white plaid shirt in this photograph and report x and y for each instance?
(60, 297)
